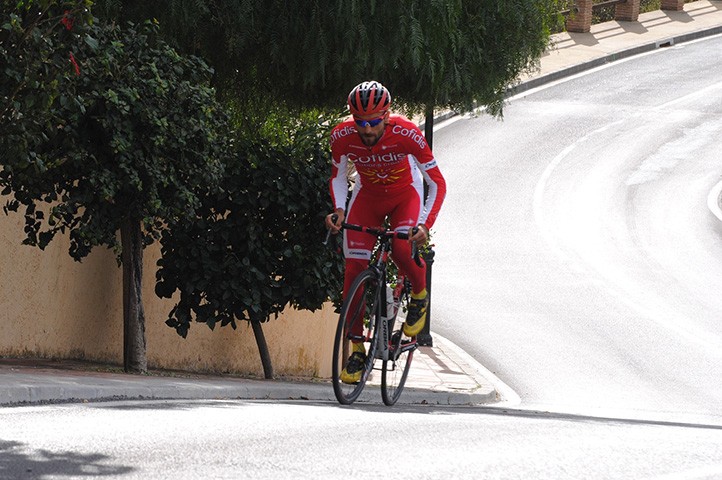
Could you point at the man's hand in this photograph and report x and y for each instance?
(334, 227)
(421, 236)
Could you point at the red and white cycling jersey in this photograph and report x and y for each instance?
(401, 159)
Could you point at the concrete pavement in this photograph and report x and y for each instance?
(440, 375)
(572, 53)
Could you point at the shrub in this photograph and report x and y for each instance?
(257, 247)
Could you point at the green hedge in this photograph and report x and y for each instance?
(257, 247)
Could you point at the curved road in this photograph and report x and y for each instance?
(576, 256)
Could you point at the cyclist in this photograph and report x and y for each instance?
(392, 160)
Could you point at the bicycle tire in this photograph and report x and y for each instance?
(366, 284)
(395, 370)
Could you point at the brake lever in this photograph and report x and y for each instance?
(334, 217)
(415, 249)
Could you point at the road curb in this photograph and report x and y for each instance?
(23, 385)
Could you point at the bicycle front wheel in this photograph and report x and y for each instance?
(396, 368)
(356, 324)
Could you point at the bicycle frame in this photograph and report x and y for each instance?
(384, 321)
(385, 340)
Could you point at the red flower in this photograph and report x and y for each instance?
(67, 20)
(75, 64)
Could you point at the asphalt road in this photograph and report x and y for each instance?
(577, 257)
(291, 440)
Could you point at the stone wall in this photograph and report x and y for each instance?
(54, 307)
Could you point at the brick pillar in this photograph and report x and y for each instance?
(627, 11)
(676, 5)
(581, 21)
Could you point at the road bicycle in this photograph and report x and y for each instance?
(378, 302)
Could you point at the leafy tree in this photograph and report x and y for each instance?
(256, 248)
(271, 54)
(35, 56)
(430, 53)
(123, 136)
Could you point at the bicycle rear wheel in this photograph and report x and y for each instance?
(395, 370)
(357, 323)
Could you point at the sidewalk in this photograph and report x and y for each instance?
(440, 375)
(572, 53)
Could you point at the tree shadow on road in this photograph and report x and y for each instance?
(18, 460)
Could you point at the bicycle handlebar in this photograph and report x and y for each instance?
(380, 232)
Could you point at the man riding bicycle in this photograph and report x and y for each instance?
(392, 160)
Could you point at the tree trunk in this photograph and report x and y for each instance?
(134, 349)
(429, 125)
(263, 349)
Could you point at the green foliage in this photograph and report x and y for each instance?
(256, 248)
(428, 52)
(124, 128)
(35, 38)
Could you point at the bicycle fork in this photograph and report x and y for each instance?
(384, 325)
(389, 347)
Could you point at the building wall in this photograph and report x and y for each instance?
(54, 307)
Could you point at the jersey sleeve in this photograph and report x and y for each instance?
(432, 176)
(338, 184)
(436, 194)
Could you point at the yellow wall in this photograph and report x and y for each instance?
(54, 307)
